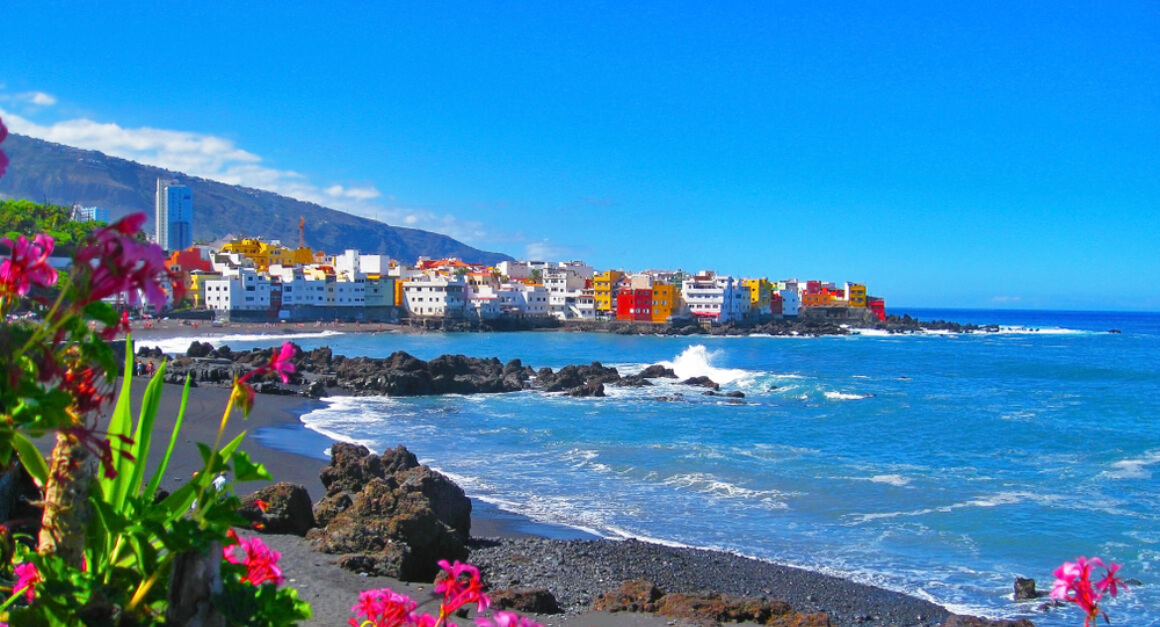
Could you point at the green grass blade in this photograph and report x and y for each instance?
(31, 458)
(144, 433)
(121, 423)
(155, 481)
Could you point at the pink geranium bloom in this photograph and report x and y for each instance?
(114, 262)
(506, 619)
(383, 608)
(28, 264)
(260, 561)
(27, 576)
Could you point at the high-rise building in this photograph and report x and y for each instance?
(90, 214)
(174, 217)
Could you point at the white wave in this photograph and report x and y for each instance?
(843, 396)
(697, 361)
(894, 480)
(178, 345)
(707, 484)
(1136, 468)
(995, 500)
(872, 332)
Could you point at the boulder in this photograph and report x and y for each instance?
(657, 371)
(643, 596)
(200, 349)
(287, 509)
(533, 601)
(401, 517)
(701, 382)
(1025, 589)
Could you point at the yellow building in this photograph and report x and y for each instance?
(195, 291)
(856, 294)
(760, 293)
(664, 302)
(604, 287)
(266, 254)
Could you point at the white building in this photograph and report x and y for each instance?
(90, 214)
(720, 298)
(566, 283)
(442, 297)
(239, 289)
(791, 296)
(173, 216)
(533, 300)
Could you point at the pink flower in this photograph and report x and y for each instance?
(506, 619)
(260, 561)
(114, 262)
(1073, 584)
(1111, 583)
(383, 608)
(27, 576)
(460, 586)
(28, 265)
(279, 363)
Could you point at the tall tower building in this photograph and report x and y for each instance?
(174, 217)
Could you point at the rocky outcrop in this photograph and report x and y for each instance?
(1025, 589)
(571, 378)
(389, 515)
(643, 596)
(402, 374)
(705, 382)
(280, 508)
(534, 601)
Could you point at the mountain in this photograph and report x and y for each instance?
(42, 171)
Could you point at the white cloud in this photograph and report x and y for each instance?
(547, 250)
(220, 159)
(40, 98)
(357, 193)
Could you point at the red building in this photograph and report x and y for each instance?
(878, 306)
(635, 305)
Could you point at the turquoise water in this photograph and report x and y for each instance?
(938, 465)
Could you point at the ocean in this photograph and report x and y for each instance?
(939, 465)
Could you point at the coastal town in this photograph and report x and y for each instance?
(252, 279)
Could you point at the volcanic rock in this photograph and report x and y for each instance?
(702, 382)
(287, 509)
(400, 516)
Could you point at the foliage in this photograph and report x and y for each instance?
(24, 217)
(109, 543)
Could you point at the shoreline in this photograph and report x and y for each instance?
(576, 567)
(292, 452)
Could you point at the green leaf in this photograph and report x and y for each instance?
(120, 424)
(103, 312)
(30, 457)
(246, 470)
(144, 432)
(159, 474)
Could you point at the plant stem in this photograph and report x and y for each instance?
(66, 507)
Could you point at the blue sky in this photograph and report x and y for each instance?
(973, 154)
